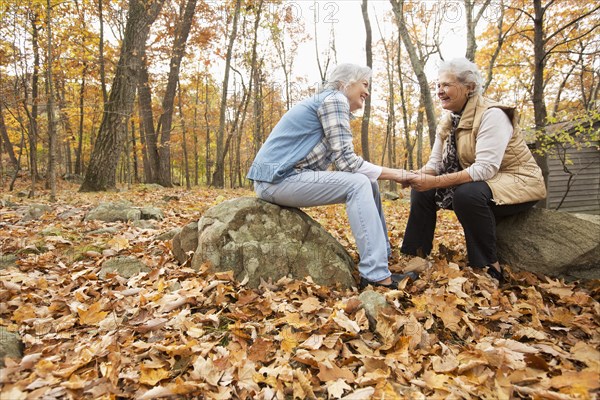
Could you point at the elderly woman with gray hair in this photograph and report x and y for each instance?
(291, 168)
(480, 167)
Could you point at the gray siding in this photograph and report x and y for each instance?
(584, 195)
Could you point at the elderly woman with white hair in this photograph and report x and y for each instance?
(292, 168)
(480, 167)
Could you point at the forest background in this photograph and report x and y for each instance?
(185, 92)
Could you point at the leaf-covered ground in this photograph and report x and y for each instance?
(186, 334)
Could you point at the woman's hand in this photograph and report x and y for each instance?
(399, 175)
(402, 176)
(422, 182)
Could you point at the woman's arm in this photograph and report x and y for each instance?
(334, 115)
(492, 139)
(494, 134)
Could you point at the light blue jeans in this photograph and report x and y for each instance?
(363, 206)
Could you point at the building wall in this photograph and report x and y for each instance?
(584, 194)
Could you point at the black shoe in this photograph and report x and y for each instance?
(494, 273)
(396, 280)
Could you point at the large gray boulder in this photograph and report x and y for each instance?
(552, 243)
(124, 266)
(123, 211)
(259, 240)
(10, 345)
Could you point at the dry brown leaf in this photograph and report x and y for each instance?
(151, 376)
(444, 364)
(587, 380)
(342, 320)
(289, 339)
(332, 372)
(336, 389)
(360, 394)
(118, 243)
(586, 353)
(93, 315)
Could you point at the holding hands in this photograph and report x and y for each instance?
(418, 180)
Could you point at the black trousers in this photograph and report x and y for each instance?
(476, 212)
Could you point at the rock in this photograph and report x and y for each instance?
(391, 196)
(35, 212)
(144, 224)
(551, 243)
(123, 211)
(10, 345)
(8, 260)
(70, 213)
(50, 231)
(185, 241)
(372, 302)
(260, 240)
(112, 212)
(124, 266)
(111, 230)
(151, 213)
(589, 217)
(169, 235)
(8, 202)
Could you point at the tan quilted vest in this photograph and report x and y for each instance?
(519, 178)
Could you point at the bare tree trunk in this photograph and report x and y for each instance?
(403, 102)
(147, 131)
(16, 172)
(539, 106)
(207, 131)
(52, 140)
(390, 128)
(65, 123)
(7, 144)
(258, 108)
(101, 60)
(33, 130)
(366, 119)
(218, 179)
(136, 175)
(145, 160)
(126, 164)
(499, 43)
(420, 117)
(101, 172)
(79, 153)
(166, 118)
(472, 21)
(195, 132)
(186, 164)
(418, 67)
(322, 68)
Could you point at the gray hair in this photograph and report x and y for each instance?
(345, 75)
(465, 72)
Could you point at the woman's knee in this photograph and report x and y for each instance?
(422, 199)
(470, 195)
(360, 182)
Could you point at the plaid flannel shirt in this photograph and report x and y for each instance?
(336, 145)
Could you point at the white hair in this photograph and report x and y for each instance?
(466, 73)
(345, 75)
